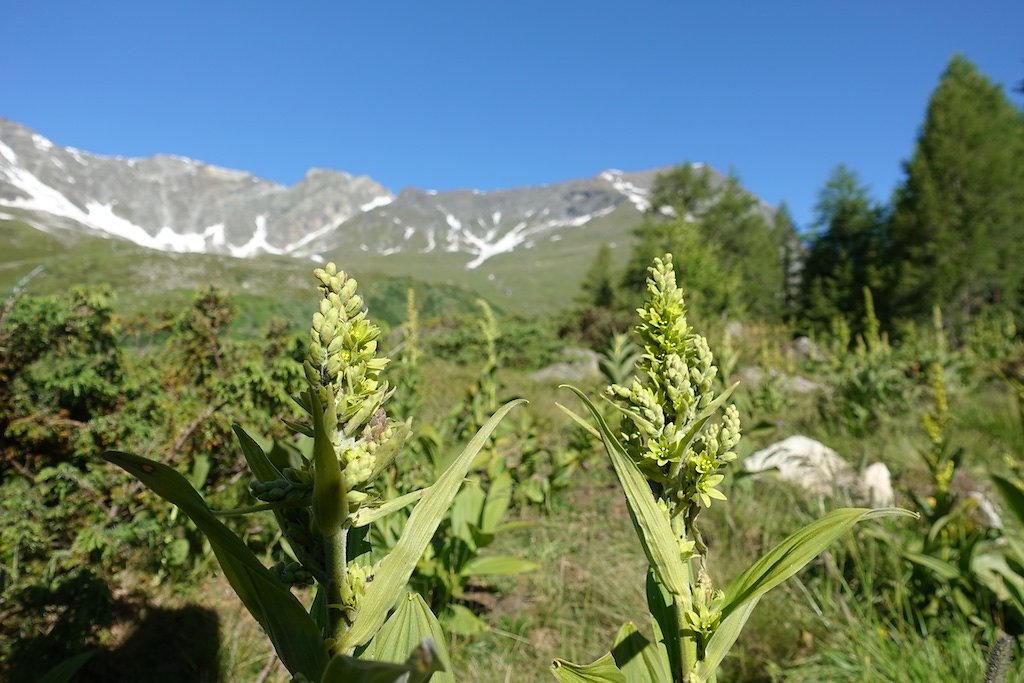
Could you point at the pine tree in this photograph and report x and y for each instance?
(844, 255)
(957, 230)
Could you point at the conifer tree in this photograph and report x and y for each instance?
(844, 255)
(598, 283)
(729, 254)
(957, 229)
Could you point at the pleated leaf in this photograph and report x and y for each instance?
(652, 526)
(395, 569)
(498, 565)
(405, 631)
(601, 671)
(1012, 495)
(637, 658)
(295, 636)
(667, 629)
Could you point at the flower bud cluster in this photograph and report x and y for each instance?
(359, 577)
(665, 428)
(342, 356)
(292, 574)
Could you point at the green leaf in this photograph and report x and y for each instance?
(460, 620)
(262, 468)
(601, 671)
(329, 501)
(369, 515)
(406, 629)
(667, 629)
(777, 565)
(942, 569)
(498, 565)
(579, 420)
(466, 510)
(722, 640)
(993, 570)
(295, 636)
(1012, 495)
(395, 569)
(420, 667)
(638, 658)
(652, 526)
(499, 497)
(66, 670)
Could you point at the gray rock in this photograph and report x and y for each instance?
(579, 364)
(821, 471)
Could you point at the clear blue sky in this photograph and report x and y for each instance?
(496, 94)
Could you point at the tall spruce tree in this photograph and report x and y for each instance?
(844, 255)
(957, 230)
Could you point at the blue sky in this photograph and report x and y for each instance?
(482, 94)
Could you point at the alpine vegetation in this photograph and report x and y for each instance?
(669, 458)
(361, 624)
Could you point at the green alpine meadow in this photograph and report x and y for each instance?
(636, 428)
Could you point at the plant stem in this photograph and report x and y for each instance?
(338, 589)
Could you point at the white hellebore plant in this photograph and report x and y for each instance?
(668, 455)
(362, 624)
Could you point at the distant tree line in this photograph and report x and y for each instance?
(951, 236)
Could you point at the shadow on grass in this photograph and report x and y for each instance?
(47, 625)
(172, 645)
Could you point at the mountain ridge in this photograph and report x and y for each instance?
(173, 203)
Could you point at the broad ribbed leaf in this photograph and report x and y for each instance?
(637, 658)
(498, 565)
(295, 636)
(1012, 495)
(668, 636)
(460, 620)
(420, 667)
(499, 496)
(397, 567)
(652, 526)
(777, 565)
(601, 671)
(405, 630)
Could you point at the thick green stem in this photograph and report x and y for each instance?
(339, 592)
(687, 644)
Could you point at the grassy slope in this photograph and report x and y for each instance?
(538, 281)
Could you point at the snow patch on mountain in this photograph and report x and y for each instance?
(637, 195)
(8, 153)
(257, 243)
(487, 246)
(377, 202)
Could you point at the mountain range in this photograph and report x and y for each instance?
(492, 240)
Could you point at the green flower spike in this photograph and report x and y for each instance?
(342, 365)
(666, 409)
